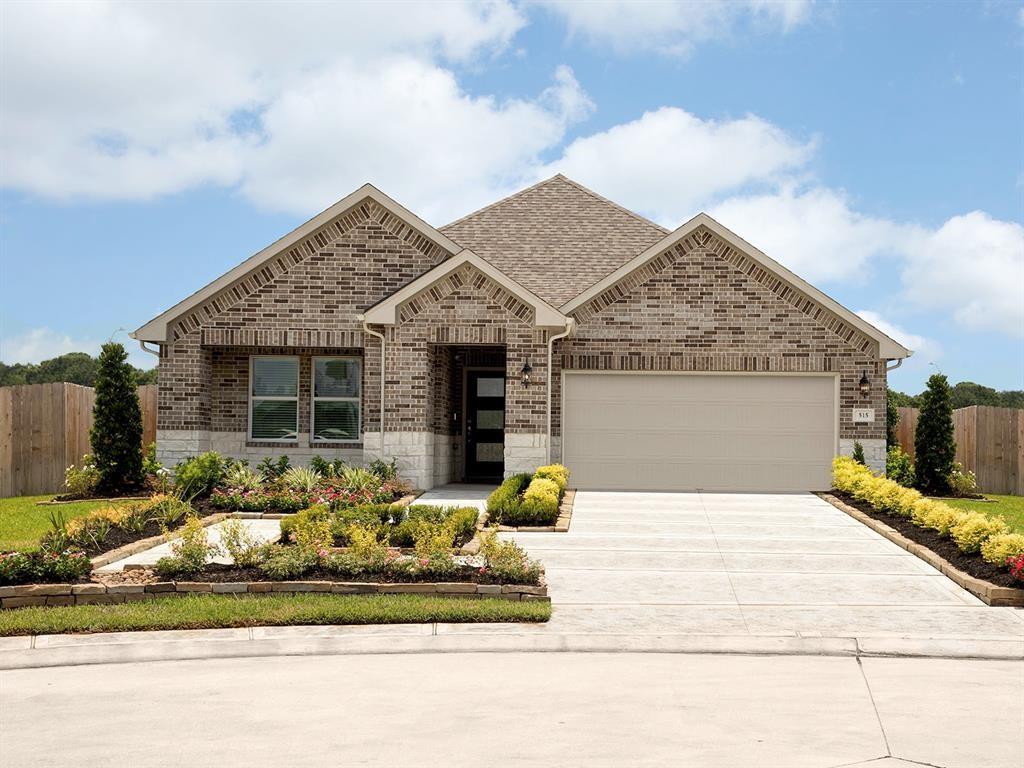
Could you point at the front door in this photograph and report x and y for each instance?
(485, 425)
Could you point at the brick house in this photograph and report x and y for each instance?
(551, 325)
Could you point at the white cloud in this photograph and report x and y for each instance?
(973, 267)
(134, 100)
(668, 162)
(925, 349)
(38, 344)
(813, 232)
(672, 27)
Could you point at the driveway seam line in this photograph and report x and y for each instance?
(721, 556)
(871, 697)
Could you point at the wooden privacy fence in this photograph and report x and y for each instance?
(44, 428)
(989, 442)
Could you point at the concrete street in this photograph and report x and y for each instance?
(544, 709)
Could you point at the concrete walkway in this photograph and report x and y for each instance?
(457, 495)
(513, 709)
(751, 565)
(264, 530)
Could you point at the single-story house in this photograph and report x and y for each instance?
(553, 325)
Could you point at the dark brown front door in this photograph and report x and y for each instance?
(485, 425)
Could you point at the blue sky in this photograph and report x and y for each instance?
(874, 148)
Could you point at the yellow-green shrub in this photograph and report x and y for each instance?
(936, 516)
(1001, 547)
(974, 528)
(556, 472)
(541, 490)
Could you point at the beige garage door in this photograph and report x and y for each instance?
(684, 432)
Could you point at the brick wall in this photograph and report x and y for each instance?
(702, 306)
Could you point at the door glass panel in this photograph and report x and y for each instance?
(490, 419)
(490, 387)
(490, 452)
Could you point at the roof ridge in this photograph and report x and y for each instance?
(603, 199)
(505, 199)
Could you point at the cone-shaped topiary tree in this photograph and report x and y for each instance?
(116, 435)
(858, 453)
(933, 439)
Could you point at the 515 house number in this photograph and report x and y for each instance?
(863, 415)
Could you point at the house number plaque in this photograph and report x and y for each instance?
(863, 415)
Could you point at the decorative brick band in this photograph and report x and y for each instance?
(28, 595)
(471, 277)
(310, 338)
(983, 590)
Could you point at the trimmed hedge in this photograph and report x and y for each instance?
(973, 532)
(523, 500)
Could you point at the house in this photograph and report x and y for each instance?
(551, 325)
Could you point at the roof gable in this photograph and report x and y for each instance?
(266, 265)
(743, 255)
(389, 311)
(555, 238)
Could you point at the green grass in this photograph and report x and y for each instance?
(23, 523)
(214, 611)
(1010, 508)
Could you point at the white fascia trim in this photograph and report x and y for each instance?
(386, 312)
(156, 329)
(888, 348)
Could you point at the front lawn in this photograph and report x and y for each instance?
(1010, 508)
(215, 611)
(23, 523)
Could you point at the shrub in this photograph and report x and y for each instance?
(81, 480)
(359, 479)
(858, 453)
(892, 419)
(311, 529)
(240, 476)
(44, 565)
(506, 561)
(150, 464)
(197, 476)
(555, 472)
(271, 469)
(385, 470)
(935, 515)
(971, 531)
(999, 549)
(365, 545)
(434, 545)
(541, 496)
(281, 563)
(506, 496)
(302, 479)
(899, 467)
(116, 435)
(961, 482)
(933, 438)
(243, 546)
(1016, 566)
(462, 521)
(327, 468)
(166, 509)
(189, 552)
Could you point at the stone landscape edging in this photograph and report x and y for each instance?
(25, 595)
(989, 593)
(561, 525)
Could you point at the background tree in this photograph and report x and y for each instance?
(892, 419)
(73, 367)
(934, 445)
(116, 435)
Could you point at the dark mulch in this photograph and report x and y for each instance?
(230, 573)
(118, 537)
(944, 547)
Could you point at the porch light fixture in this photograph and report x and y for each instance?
(864, 385)
(525, 373)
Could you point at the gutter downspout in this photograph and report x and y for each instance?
(383, 356)
(569, 324)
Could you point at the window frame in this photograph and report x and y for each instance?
(358, 400)
(281, 398)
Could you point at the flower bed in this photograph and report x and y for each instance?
(979, 545)
(529, 500)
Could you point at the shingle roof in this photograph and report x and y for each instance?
(556, 238)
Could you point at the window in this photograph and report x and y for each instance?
(274, 398)
(337, 386)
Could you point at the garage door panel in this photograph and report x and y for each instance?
(678, 432)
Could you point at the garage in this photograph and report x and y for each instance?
(715, 432)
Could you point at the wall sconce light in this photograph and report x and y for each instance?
(525, 373)
(864, 385)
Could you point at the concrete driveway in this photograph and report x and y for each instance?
(747, 564)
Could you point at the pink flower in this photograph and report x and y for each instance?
(424, 561)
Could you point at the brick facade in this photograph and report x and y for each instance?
(701, 306)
